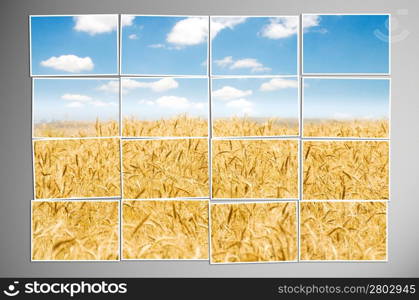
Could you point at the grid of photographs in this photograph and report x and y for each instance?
(231, 139)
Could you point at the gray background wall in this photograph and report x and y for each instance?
(15, 143)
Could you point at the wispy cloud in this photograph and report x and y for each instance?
(278, 84)
(246, 63)
(229, 92)
(76, 97)
(156, 46)
(79, 101)
(127, 20)
(174, 103)
(241, 106)
(311, 21)
(161, 85)
(133, 36)
(220, 23)
(74, 105)
(111, 87)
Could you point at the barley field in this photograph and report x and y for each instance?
(253, 232)
(181, 125)
(77, 168)
(165, 168)
(252, 127)
(255, 169)
(75, 230)
(343, 230)
(349, 128)
(165, 229)
(77, 129)
(345, 170)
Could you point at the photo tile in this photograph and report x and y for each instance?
(345, 170)
(254, 45)
(75, 230)
(75, 107)
(346, 44)
(358, 108)
(77, 168)
(164, 45)
(255, 106)
(165, 107)
(255, 169)
(165, 229)
(74, 45)
(346, 231)
(253, 232)
(175, 168)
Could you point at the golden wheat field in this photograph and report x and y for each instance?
(357, 170)
(253, 232)
(165, 229)
(255, 168)
(79, 230)
(165, 168)
(250, 127)
(347, 128)
(343, 230)
(181, 125)
(77, 168)
(77, 129)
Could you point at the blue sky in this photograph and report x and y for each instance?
(161, 98)
(345, 44)
(346, 98)
(75, 99)
(165, 45)
(254, 46)
(255, 97)
(74, 45)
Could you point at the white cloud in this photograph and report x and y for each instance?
(229, 92)
(76, 97)
(127, 20)
(278, 84)
(74, 105)
(310, 21)
(188, 32)
(99, 103)
(96, 24)
(161, 85)
(249, 63)
(173, 103)
(133, 36)
(146, 102)
(241, 106)
(239, 103)
(78, 100)
(111, 86)
(220, 23)
(225, 62)
(157, 46)
(246, 63)
(177, 103)
(69, 63)
(280, 27)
